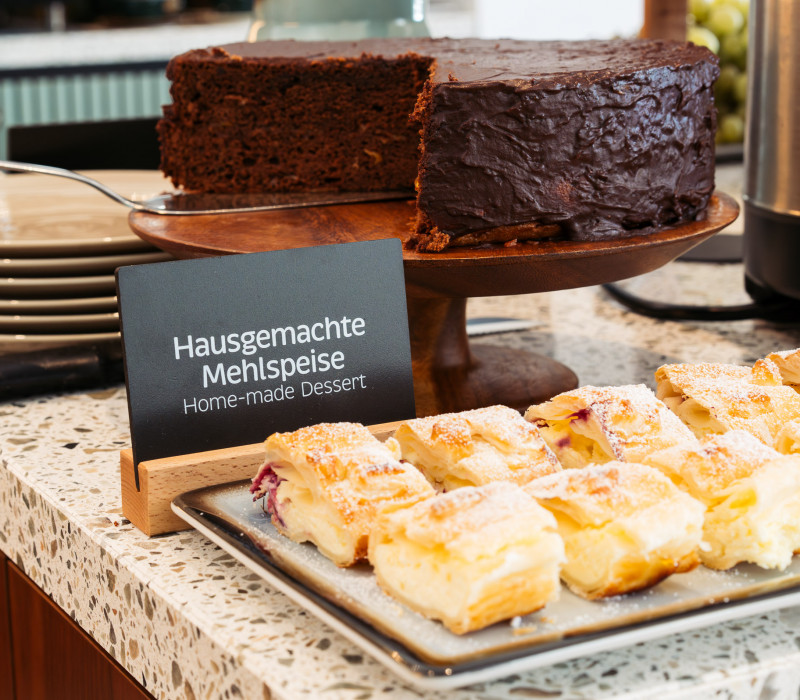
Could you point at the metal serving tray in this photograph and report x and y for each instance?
(423, 652)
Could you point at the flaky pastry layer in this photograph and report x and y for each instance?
(714, 398)
(788, 364)
(751, 493)
(625, 526)
(475, 447)
(469, 557)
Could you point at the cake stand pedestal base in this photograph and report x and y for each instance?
(452, 375)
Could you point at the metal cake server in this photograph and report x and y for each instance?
(495, 325)
(182, 204)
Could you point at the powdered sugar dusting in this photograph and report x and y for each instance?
(752, 399)
(691, 378)
(466, 513)
(739, 443)
(601, 492)
(476, 447)
(502, 423)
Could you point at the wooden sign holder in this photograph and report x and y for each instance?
(161, 480)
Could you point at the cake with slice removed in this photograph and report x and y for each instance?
(520, 140)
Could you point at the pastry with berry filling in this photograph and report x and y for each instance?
(326, 483)
(469, 557)
(475, 447)
(625, 526)
(751, 493)
(714, 397)
(598, 424)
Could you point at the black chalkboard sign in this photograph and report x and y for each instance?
(224, 351)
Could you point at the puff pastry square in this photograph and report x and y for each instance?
(751, 493)
(599, 424)
(787, 441)
(326, 483)
(788, 363)
(625, 526)
(475, 447)
(469, 557)
(714, 398)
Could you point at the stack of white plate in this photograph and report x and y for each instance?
(60, 243)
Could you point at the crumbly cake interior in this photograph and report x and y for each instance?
(362, 106)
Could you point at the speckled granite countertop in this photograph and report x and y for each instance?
(189, 622)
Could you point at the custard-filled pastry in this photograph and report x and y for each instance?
(469, 557)
(713, 398)
(475, 447)
(751, 493)
(788, 363)
(599, 424)
(625, 526)
(326, 483)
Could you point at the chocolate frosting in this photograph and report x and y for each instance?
(484, 60)
(605, 139)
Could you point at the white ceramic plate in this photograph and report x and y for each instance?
(15, 287)
(98, 264)
(61, 323)
(44, 216)
(424, 652)
(81, 305)
(23, 342)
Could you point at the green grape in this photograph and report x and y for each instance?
(731, 128)
(721, 25)
(742, 5)
(733, 50)
(703, 37)
(728, 75)
(724, 20)
(699, 9)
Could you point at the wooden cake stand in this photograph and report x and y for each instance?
(449, 374)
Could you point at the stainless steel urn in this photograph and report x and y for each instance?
(772, 151)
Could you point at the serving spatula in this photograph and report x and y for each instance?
(183, 203)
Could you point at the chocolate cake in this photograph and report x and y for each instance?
(583, 140)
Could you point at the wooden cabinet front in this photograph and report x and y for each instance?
(6, 668)
(45, 655)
